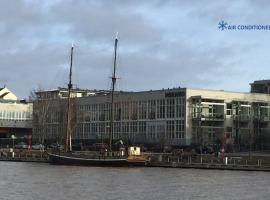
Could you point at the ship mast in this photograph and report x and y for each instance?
(68, 146)
(112, 93)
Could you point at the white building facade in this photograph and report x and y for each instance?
(15, 116)
(175, 117)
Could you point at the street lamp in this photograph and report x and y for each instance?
(13, 137)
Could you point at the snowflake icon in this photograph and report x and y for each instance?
(222, 25)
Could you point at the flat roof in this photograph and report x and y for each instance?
(106, 92)
(261, 82)
(225, 91)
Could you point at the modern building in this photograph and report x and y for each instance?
(260, 86)
(15, 115)
(62, 93)
(243, 117)
(49, 115)
(174, 117)
(5, 94)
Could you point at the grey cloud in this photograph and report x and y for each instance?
(35, 41)
(95, 22)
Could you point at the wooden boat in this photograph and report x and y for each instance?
(73, 158)
(108, 159)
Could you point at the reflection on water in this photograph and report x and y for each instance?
(37, 181)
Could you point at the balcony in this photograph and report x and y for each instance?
(16, 123)
(210, 117)
(242, 118)
(265, 118)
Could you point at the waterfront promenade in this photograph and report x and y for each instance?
(235, 161)
(241, 161)
(23, 155)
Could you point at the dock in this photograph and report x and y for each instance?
(210, 166)
(230, 162)
(24, 159)
(23, 156)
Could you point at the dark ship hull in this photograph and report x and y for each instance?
(70, 159)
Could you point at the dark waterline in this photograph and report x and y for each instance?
(27, 181)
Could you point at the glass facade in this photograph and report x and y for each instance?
(140, 118)
(15, 115)
(138, 121)
(168, 117)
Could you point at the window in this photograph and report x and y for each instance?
(125, 110)
(117, 130)
(161, 109)
(133, 129)
(142, 129)
(151, 129)
(125, 129)
(170, 108)
(161, 131)
(228, 112)
(229, 109)
(134, 110)
(117, 111)
(152, 109)
(229, 132)
(170, 130)
(142, 109)
(211, 134)
(179, 129)
(180, 107)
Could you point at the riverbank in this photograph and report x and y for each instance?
(241, 162)
(210, 166)
(23, 155)
(24, 159)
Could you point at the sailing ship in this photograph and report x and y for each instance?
(110, 158)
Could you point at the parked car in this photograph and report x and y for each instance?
(21, 145)
(38, 147)
(56, 146)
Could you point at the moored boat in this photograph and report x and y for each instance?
(101, 160)
(72, 159)
(108, 158)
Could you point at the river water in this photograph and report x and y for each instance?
(38, 181)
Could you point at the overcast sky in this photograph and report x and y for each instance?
(162, 44)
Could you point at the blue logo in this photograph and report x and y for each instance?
(222, 25)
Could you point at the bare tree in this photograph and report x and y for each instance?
(40, 116)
